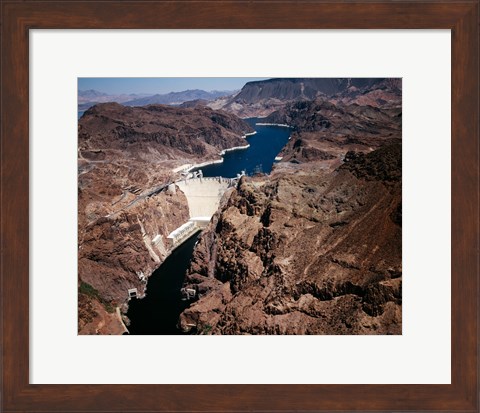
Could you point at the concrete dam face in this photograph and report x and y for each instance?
(203, 195)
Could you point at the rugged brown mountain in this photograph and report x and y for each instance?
(125, 157)
(386, 93)
(314, 248)
(323, 131)
(308, 252)
(261, 98)
(301, 88)
(164, 132)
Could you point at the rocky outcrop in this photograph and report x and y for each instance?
(125, 159)
(308, 252)
(194, 103)
(323, 131)
(165, 131)
(386, 93)
(117, 250)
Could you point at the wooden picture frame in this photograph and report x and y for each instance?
(18, 17)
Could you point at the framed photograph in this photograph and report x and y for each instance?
(294, 297)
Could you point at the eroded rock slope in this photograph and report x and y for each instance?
(305, 253)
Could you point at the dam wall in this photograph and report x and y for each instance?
(203, 197)
(204, 194)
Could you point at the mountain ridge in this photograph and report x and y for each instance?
(90, 97)
(261, 98)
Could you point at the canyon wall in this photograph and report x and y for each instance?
(315, 247)
(305, 253)
(126, 156)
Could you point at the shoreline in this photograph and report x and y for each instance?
(190, 167)
(119, 315)
(235, 148)
(281, 125)
(206, 163)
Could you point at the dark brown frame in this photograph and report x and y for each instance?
(462, 17)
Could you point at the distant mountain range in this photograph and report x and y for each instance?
(88, 98)
(177, 98)
(91, 96)
(262, 98)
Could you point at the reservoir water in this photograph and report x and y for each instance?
(259, 157)
(158, 312)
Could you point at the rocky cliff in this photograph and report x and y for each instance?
(300, 88)
(125, 158)
(261, 98)
(325, 132)
(308, 252)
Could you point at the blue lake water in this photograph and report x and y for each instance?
(259, 157)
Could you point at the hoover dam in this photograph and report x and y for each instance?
(203, 196)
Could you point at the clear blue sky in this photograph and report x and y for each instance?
(163, 85)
